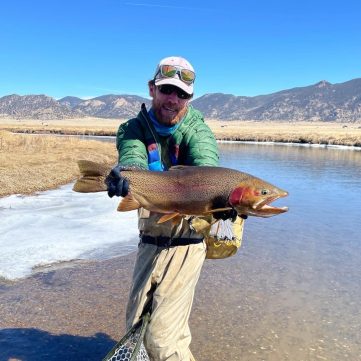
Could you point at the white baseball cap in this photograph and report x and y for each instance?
(179, 76)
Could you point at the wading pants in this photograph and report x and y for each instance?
(167, 278)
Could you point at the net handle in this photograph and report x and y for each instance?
(143, 322)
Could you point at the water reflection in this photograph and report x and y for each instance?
(312, 161)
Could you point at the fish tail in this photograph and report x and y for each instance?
(92, 177)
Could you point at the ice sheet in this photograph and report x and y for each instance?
(61, 225)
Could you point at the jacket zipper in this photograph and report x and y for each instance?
(152, 130)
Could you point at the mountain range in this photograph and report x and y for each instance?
(322, 101)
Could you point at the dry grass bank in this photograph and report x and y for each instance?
(87, 126)
(30, 163)
(287, 132)
(298, 132)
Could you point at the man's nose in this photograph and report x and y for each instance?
(173, 96)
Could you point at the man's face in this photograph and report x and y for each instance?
(169, 108)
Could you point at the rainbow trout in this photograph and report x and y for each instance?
(187, 190)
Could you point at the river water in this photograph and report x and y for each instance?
(298, 287)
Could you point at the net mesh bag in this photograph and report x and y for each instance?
(131, 347)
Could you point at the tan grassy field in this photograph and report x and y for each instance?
(29, 163)
(298, 132)
(92, 126)
(287, 132)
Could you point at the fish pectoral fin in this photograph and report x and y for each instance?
(176, 220)
(167, 217)
(219, 210)
(128, 203)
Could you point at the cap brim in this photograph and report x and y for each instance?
(176, 82)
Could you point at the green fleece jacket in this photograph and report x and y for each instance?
(195, 144)
(194, 140)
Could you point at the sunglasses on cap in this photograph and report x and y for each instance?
(169, 71)
(168, 89)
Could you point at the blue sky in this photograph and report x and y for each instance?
(91, 48)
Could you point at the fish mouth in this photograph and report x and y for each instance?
(265, 209)
(271, 210)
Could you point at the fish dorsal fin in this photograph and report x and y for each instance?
(180, 167)
(167, 217)
(128, 203)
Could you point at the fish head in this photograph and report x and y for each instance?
(255, 198)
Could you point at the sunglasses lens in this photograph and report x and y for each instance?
(169, 89)
(183, 95)
(187, 75)
(166, 89)
(168, 70)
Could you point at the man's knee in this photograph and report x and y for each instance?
(161, 347)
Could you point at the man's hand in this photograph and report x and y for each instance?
(224, 215)
(116, 184)
(230, 214)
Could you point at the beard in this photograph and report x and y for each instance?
(168, 113)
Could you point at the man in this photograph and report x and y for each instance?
(170, 256)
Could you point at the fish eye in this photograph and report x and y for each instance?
(264, 192)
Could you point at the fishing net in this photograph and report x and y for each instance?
(131, 347)
(223, 237)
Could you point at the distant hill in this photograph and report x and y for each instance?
(112, 106)
(35, 107)
(322, 101)
(70, 102)
(319, 102)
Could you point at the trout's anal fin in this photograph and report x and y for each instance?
(128, 203)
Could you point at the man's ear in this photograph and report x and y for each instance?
(151, 86)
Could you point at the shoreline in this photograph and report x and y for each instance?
(300, 132)
(315, 145)
(225, 141)
(229, 139)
